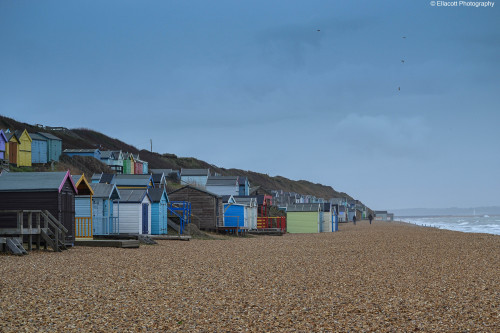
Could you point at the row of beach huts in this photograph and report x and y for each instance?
(23, 149)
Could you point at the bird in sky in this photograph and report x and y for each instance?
(399, 88)
(318, 30)
(402, 61)
(403, 37)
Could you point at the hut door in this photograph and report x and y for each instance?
(145, 218)
(12, 153)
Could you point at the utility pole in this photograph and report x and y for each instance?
(151, 141)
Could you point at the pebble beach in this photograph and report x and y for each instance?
(385, 277)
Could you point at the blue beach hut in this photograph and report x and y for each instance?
(104, 213)
(38, 148)
(159, 201)
(234, 216)
(54, 146)
(96, 153)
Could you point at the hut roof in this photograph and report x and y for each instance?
(155, 194)
(133, 195)
(245, 200)
(107, 154)
(195, 172)
(228, 199)
(157, 177)
(132, 180)
(197, 189)
(82, 185)
(9, 135)
(108, 191)
(80, 150)
(36, 136)
(34, 181)
(2, 134)
(222, 180)
(49, 136)
(304, 207)
(107, 178)
(96, 176)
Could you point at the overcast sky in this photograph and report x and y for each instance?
(254, 85)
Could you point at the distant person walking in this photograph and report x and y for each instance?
(370, 217)
(354, 219)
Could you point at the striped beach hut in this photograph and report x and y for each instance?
(134, 212)
(159, 213)
(83, 207)
(105, 212)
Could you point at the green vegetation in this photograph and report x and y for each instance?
(87, 138)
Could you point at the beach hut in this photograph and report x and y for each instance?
(251, 212)
(128, 164)
(134, 211)
(380, 215)
(3, 144)
(207, 208)
(196, 177)
(38, 148)
(83, 207)
(159, 214)
(105, 210)
(12, 147)
(54, 146)
(223, 185)
(308, 218)
(24, 154)
(126, 181)
(138, 166)
(159, 180)
(234, 217)
(170, 174)
(244, 186)
(108, 157)
(95, 153)
(52, 191)
(117, 163)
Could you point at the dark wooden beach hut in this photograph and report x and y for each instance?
(52, 191)
(207, 209)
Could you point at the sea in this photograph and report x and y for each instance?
(479, 224)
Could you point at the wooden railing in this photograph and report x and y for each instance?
(278, 222)
(51, 230)
(83, 227)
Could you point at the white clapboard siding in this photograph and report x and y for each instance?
(131, 217)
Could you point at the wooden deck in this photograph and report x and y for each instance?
(119, 243)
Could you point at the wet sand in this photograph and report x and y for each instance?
(387, 276)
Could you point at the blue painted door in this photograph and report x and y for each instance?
(145, 218)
